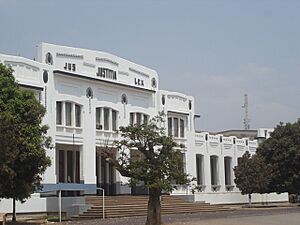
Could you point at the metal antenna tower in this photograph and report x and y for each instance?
(246, 115)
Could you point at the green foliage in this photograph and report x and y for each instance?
(252, 175)
(282, 152)
(146, 154)
(22, 139)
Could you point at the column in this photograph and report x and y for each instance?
(221, 171)
(207, 172)
(89, 149)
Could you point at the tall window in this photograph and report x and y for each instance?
(170, 126)
(214, 170)
(176, 128)
(131, 118)
(71, 112)
(145, 119)
(106, 119)
(199, 169)
(181, 128)
(114, 120)
(138, 119)
(59, 113)
(228, 170)
(68, 114)
(99, 126)
(77, 115)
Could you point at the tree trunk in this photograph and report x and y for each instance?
(250, 203)
(154, 207)
(14, 210)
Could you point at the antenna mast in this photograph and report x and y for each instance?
(246, 115)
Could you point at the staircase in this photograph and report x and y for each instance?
(126, 206)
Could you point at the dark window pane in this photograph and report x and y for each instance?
(181, 128)
(138, 118)
(170, 126)
(131, 118)
(106, 119)
(176, 127)
(68, 114)
(78, 115)
(114, 120)
(59, 113)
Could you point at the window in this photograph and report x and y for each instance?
(59, 113)
(181, 128)
(106, 119)
(228, 170)
(176, 128)
(170, 126)
(214, 170)
(114, 120)
(145, 119)
(199, 169)
(131, 118)
(138, 119)
(98, 120)
(68, 114)
(77, 115)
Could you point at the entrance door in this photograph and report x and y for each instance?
(106, 176)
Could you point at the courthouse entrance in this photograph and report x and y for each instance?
(106, 174)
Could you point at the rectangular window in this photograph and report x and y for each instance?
(114, 120)
(77, 115)
(106, 119)
(181, 128)
(145, 119)
(131, 118)
(199, 168)
(227, 168)
(98, 119)
(138, 118)
(170, 126)
(68, 114)
(176, 128)
(59, 113)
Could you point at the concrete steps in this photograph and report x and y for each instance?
(126, 206)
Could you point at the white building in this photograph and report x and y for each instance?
(88, 95)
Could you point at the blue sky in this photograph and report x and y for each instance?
(213, 50)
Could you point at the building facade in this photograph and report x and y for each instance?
(89, 94)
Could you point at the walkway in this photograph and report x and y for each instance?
(273, 216)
